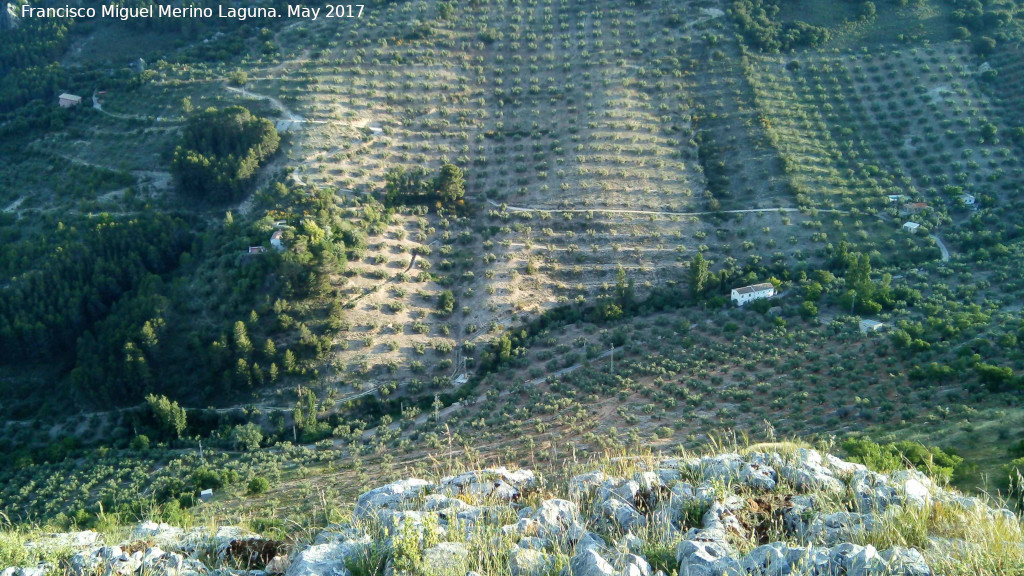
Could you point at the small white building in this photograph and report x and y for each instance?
(206, 495)
(911, 227)
(68, 100)
(968, 199)
(896, 198)
(870, 326)
(277, 240)
(257, 249)
(746, 294)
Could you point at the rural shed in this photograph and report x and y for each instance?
(911, 227)
(68, 100)
(867, 326)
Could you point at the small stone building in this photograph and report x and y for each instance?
(68, 100)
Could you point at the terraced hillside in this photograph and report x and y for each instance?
(620, 168)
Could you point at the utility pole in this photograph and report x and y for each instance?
(611, 359)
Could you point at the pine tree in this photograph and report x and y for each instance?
(624, 290)
(169, 414)
(698, 275)
(450, 184)
(242, 343)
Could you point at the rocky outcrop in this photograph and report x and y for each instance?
(815, 512)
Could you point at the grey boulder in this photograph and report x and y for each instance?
(590, 563)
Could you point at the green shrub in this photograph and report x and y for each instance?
(258, 485)
(140, 443)
(367, 561)
(12, 550)
(903, 454)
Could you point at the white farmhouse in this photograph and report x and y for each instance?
(911, 227)
(753, 292)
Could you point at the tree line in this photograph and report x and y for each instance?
(416, 186)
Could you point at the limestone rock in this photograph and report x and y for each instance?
(914, 485)
(64, 540)
(277, 565)
(833, 529)
(632, 565)
(589, 541)
(809, 476)
(558, 519)
(161, 533)
(585, 485)
(590, 563)
(534, 543)
(323, 559)
(767, 560)
(698, 558)
(668, 476)
(872, 491)
(843, 467)
(442, 503)
(394, 496)
(528, 562)
(446, 559)
(524, 527)
(498, 483)
(630, 543)
(905, 562)
(855, 560)
(623, 515)
(809, 560)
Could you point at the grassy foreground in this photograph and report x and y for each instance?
(957, 535)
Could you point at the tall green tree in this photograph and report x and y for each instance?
(699, 273)
(450, 184)
(242, 343)
(624, 293)
(170, 416)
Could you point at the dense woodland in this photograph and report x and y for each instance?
(113, 303)
(77, 277)
(28, 68)
(220, 152)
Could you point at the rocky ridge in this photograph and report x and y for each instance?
(728, 514)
